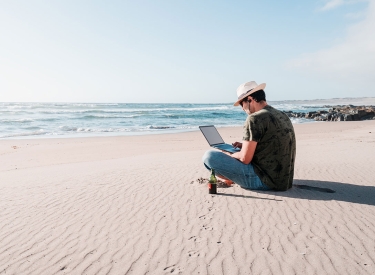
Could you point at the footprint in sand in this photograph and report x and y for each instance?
(194, 253)
(173, 269)
(203, 217)
(195, 239)
(209, 228)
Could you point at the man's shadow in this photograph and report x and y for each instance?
(328, 190)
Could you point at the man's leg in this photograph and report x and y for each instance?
(233, 169)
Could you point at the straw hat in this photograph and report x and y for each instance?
(247, 89)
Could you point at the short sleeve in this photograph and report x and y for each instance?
(246, 132)
(256, 128)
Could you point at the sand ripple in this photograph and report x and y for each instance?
(150, 215)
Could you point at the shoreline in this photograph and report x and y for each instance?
(57, 149)
(99, 135)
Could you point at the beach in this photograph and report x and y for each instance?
(135, 205)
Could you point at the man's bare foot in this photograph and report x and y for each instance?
(225, 180)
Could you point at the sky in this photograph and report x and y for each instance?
(170, 51)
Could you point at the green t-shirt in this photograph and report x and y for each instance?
(275, 153)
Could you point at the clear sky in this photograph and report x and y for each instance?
(185, 51)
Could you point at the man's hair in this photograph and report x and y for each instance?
(259, 96)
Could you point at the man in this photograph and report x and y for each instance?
(266, 159)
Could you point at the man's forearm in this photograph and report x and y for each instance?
(247, 152)
(238, 155)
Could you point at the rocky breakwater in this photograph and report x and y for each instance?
(338, 113)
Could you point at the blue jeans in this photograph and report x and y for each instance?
(233, 169)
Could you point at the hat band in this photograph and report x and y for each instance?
(243, 94)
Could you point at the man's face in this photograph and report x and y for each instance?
(247, 105)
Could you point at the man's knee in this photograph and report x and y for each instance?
(206, 157)
(209, 157)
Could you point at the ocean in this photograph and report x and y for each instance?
(38, 120)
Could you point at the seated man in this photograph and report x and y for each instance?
(266, 159)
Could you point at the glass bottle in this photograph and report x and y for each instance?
(212, 186)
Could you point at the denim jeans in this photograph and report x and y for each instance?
(233, 169)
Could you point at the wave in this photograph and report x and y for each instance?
(159, 127)
(106, 116)
(19, 120)
(33, 133)
(27, 120)
(298, 120)
(91, 130)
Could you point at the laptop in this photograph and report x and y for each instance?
(215, 140)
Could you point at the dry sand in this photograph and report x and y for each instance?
(134, 205)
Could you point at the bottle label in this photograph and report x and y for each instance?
(209, 186)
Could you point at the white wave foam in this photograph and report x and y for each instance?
(21, 120)
(296, 120)
(34, 133)
(68, 128)
(159, 127)
(92, 130)
(110, 116)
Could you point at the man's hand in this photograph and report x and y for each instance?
(237, 145)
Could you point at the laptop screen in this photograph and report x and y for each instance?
(211, 134)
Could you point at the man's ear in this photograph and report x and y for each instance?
(252, 99)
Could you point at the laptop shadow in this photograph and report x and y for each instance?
(328, 190)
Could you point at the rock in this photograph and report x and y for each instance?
(355, 117)
(367, 117)
(338, 113)
(362, 113)
(310, 114)
(348, 117)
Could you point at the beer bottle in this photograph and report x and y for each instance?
(212, 183)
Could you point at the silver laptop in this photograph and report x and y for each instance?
(215, 140)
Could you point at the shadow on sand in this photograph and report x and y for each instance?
(246, 197)
(328, 190)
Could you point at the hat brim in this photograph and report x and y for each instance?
(257, 88)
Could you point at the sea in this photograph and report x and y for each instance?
(48, 120)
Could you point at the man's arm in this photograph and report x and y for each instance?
(247, 152)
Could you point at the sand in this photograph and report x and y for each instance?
(134, 205)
